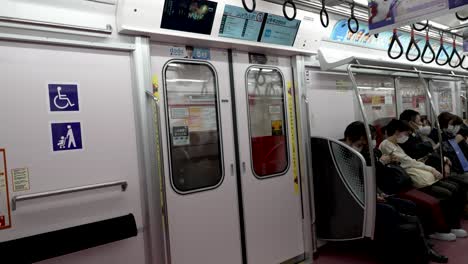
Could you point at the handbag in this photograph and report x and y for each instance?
(393, 179)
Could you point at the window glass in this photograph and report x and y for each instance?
(267, 122)
(192, 111)
(443, 94)
(378, 96)
(413, 95)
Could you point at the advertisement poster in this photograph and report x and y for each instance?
(194, 16)
(5, 218)
(240, 24)
(364, 38)
(279, 30)
(388, 14)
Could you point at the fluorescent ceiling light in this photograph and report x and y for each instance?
(365, 87)
(384, 89)
(187, 80)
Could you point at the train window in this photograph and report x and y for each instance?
(267, 121)
(442, 92)
(413, 95)
(378, 96)
(194, 131)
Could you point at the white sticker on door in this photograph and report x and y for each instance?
(20, 179)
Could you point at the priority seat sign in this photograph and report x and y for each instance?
(63, 98)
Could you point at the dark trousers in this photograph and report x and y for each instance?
(452, 199)
(399, 230)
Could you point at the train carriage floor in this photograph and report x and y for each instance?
(357, 253)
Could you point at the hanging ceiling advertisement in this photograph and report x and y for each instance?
(364, 38)
(385, 15)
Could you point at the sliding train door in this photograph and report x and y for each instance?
(198, 153)
(269, 165)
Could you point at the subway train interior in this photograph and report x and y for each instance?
(233, 131)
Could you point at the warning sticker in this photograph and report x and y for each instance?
(276, 127)
(5, 217)
(20, 179)
(293, 136)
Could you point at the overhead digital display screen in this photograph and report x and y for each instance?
(194, 16)
(240, 24)
(279, 30)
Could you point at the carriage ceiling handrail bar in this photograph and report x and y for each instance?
(108, 30)
(415, 70)
(19, 198)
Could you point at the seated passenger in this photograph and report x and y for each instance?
(428, 207)
(426, 178)
(397, 227)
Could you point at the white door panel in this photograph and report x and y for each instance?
(272, 204)
(203, 223)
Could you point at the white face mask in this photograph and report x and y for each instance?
(402, 139)
(424, 130)
(358, 149)
(373, 143)
(453, 129)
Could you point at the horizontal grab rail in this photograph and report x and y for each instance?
(19, 198)
(107, 30)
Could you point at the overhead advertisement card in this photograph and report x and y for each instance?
(240, 24)
(386, 15)
(279, 30)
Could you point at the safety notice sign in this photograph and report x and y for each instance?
(5, 217)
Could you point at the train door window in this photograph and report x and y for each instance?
(267, 121)
(378, 96)
(413, 95)
(193, 126)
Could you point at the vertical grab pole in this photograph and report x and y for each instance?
(436, 115)
(466, 94)
(369, 182)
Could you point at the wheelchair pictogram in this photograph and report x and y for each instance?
(61, 101)
(63, 97)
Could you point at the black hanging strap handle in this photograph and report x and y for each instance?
(293, 6)
(460, 17)
(461, 63)
(426, 48)
(324, 18)
(426, 25)
(250, 10)
(410, 46)
(396, 40)
(442, 50)
(353, 19)
(454, 54)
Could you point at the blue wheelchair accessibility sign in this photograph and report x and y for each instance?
(66, 136)
(63, 97)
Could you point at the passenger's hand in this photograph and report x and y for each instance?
(385, 159)
(380, 198)
(395, 159)
(436, 174)
(436, 146)
(459, 138)
(446, 170)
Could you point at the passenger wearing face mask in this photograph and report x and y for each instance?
(398, 228)
(426, 178)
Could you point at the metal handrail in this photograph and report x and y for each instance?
(19, 198)
(436, 119)
(107, 30)
(369, 140)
